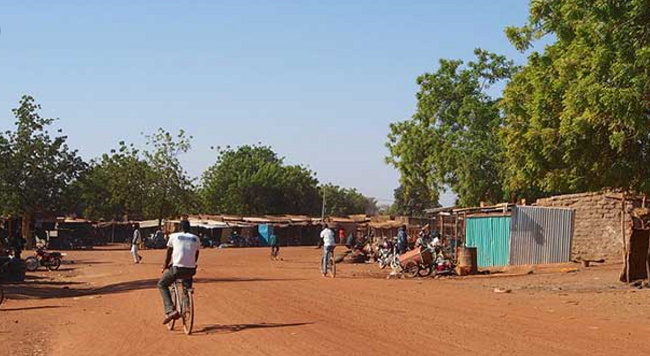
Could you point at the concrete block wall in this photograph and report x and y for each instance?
(597, 229)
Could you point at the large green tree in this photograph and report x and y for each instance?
(36, 169)
(254, 180)
(117, 186)
(452, 139)
(412, 204)
(171, 190)
(346, 201)
(578, 114)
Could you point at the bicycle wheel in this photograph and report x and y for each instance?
(188, 311)
(331, 265)
(425, 271)
(170, 325)
(411, 269)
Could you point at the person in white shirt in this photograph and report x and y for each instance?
(329, 243)
(137, 238)
(425, 238)
(436, 243)
(180, 263)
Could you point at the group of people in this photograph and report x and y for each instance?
(425, 239)
(183, 253)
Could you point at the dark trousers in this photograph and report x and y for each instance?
(168, 278)
(275, 250)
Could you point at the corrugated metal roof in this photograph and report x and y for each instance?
(257, 220)
(541, 235)
(338, 219)
(148, 223)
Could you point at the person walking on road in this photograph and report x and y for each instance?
(402, 240)
(135, 243)
(329, 243)
(342, 236)
(275, 246)
(180, 263)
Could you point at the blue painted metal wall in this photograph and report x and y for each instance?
(491, 237)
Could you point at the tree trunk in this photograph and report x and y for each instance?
(26, 230)
(160, 213)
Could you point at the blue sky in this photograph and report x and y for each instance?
(319, 81)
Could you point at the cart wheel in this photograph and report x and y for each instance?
(425, 271)
(411, 269)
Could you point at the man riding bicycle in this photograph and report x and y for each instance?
(329, 243)
(183, 253)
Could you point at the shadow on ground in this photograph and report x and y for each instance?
(224, 329)
(31, 308)
(37, 289)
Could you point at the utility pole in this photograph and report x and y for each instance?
(322, 215)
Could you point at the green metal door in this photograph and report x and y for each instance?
(491, 237)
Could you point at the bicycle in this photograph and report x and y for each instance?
(331, 264)
(186, 308)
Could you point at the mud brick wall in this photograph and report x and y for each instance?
(597, 228)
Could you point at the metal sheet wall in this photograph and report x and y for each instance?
(491, 237)
(541, 235)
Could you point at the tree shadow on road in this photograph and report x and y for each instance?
(32, 308)
(225, 329)
(37, 289)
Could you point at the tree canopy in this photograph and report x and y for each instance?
(578, 113)
(117, 186)
(343, 201)
(253, 180)
(171, 190)
(36, 169)
(452, 139)
(574, 118)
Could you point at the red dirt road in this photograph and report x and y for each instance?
(103, 304)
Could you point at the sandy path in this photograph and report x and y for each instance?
(247, 305)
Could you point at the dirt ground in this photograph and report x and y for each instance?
(103, 304)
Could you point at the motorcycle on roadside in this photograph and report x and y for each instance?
(388, 255)
(47, 259)
(443, 266)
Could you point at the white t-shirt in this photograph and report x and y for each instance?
(185, 246)
(328, 237)
(136, 237)
(436, 242)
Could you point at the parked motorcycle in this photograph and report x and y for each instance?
(386, 255)
(50, 260)
(207, 242)
(155, 241)
(391, 259)
(443, 266)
